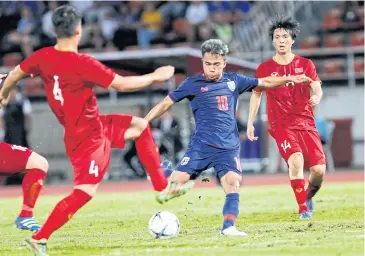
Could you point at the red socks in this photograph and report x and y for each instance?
(62, 213)
(300, 194)
(32, 186)
(148, 153)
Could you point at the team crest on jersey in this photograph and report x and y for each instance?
(274, 74)
(185, 160)
(231, 85)
(298, 70)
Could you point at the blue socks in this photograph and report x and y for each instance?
(230, 210)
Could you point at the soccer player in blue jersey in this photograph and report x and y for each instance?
(215, 143)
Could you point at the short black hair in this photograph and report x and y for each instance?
(215, 47)
(65, 19)
(287, 23)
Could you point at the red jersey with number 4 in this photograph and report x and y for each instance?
(68, 79)
(288, 105)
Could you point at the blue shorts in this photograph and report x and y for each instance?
(195, 162)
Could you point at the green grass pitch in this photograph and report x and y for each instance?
(117, 224)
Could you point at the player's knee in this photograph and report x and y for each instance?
(140, 125)
(37, 161)
(318, 170)
(231, 182)
(296, 163)
(89, 189)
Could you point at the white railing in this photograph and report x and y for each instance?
(251, 34)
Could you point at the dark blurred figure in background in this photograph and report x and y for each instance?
(15, 123)
(131, 156)
(170, 141)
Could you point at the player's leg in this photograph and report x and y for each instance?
(316, 163)
(290, 150)
(15, 159)
(37, 167)
(127, 127)
(228, 168)
(89, 171)
(181, 180)
(179, 184)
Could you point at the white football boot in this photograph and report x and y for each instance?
(232, 231)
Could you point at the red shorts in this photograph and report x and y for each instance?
(91, 165)
(13, 159)
(306, 142)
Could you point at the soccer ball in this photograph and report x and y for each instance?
(164, 225)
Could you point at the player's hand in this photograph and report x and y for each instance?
(314, 100)
(301, 79)
(2, 76)
(3, 101)
(164, 73)
(251, 133)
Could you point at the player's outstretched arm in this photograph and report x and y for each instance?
(159, 109)
(254, 107)
(10, 82)
(135, 83)
(317, 93)
(274, 81)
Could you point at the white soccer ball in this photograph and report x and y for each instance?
(164, 225)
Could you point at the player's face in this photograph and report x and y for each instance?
(282, 41)
(213, 66)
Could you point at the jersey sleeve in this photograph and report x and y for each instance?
(183, 91)
(31, 65)
(311, 71)
(245, 83)
(95, 72)
(258, 74)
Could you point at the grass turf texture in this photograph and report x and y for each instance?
(117, 224)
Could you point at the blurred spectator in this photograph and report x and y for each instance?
(222, 7)
(221, 28)
(198, 17)
(109, 24)
(47, 25)
(240, 8)
(25, 33)
(130, 157)
(172, 10)
(151, 21)
(82, 6)
(197, 12)
(15, 119)
(15, 124)
(126, 34)
(171, 143)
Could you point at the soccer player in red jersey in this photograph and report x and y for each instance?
(68, 78)
(17, 159)
(290, 114)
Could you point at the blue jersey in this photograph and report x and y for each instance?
(214, 107)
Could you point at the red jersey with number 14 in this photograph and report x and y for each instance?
(288, 105)
(68, 79)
